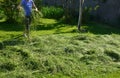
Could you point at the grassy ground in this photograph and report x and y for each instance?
(57, 50)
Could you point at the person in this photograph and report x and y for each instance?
(27, 6)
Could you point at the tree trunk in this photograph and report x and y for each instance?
(80, 14)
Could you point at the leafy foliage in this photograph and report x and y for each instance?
(10, 9)
(52, 12)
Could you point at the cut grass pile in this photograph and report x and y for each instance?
(58, 51)
(61, 55)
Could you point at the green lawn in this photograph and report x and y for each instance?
(58, 50)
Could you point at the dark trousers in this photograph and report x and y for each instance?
(27, 22)
(27, 25)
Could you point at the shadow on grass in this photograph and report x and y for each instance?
(14, 40)
(11, 26)
(97, 28)
(92, 27)
(49, 26)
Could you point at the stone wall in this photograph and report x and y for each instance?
(108, 12)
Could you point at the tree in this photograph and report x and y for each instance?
(9, 9)
(80, 13)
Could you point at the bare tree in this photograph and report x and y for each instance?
(80, 14)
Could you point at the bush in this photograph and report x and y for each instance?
(86, 14)
(9, 9)
(52, 12)
(12, 13)
(1, 14)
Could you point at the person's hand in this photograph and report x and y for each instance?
(19, 7)
(36, 9)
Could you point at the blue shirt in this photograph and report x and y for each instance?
(27, 5)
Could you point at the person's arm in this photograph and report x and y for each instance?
(19, 6)
(34, 6)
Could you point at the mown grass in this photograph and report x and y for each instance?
(58, 50)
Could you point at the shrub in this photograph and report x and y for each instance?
(86, 14)
(9, 9)
(1, 14)
(52, 12)
(12, 13)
